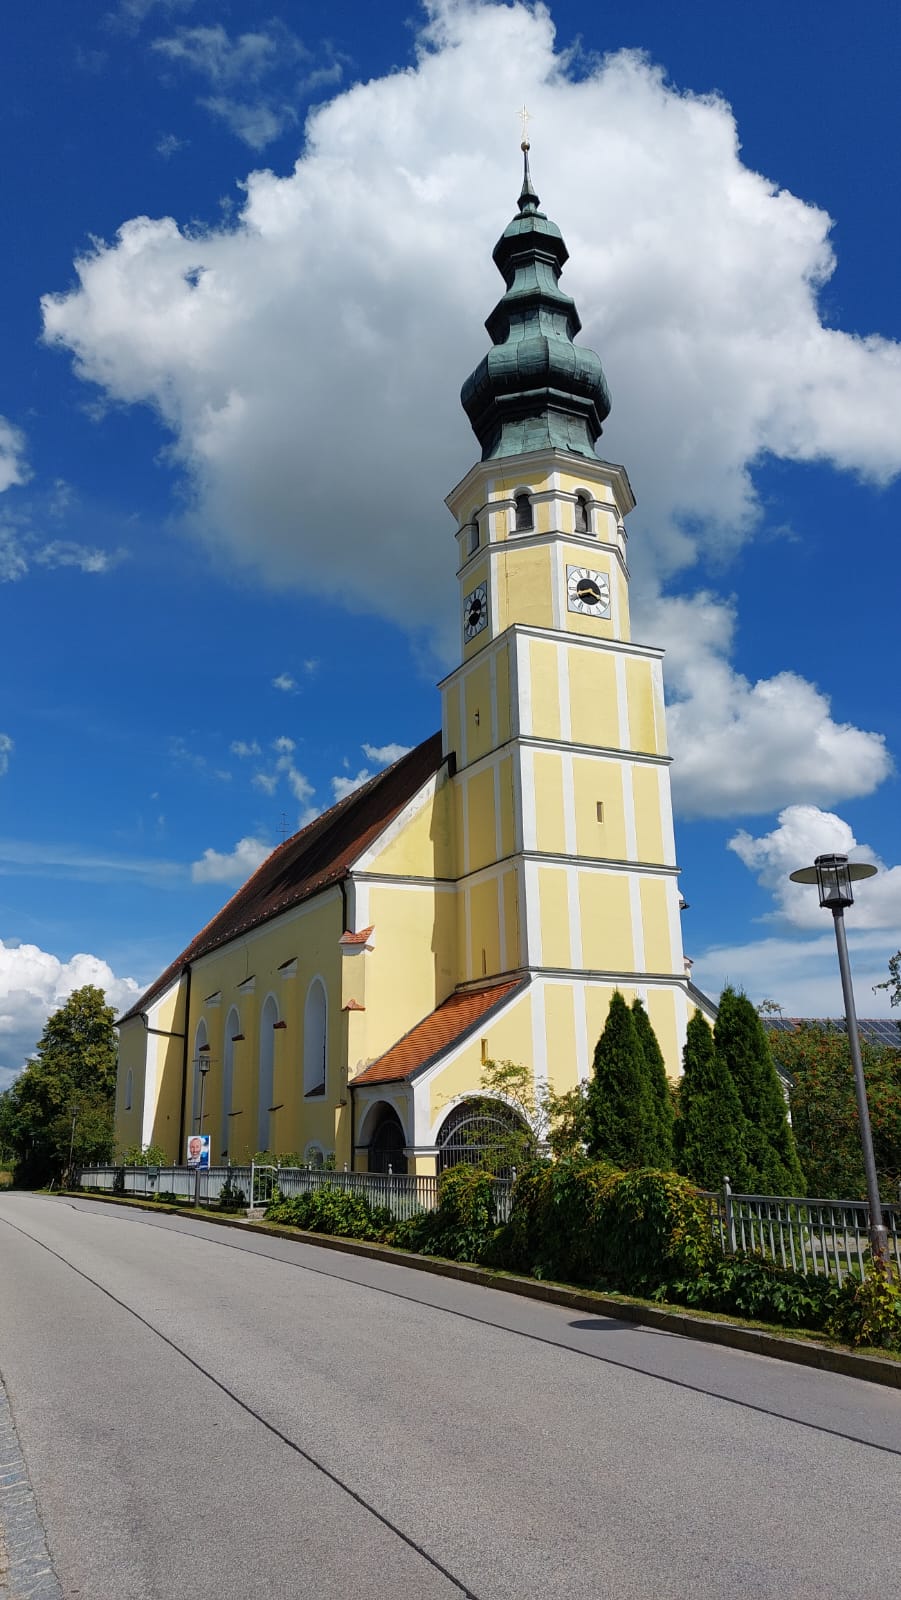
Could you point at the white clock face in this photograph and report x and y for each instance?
(475, 612)
(587, 592)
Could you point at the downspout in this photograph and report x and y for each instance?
(184, 1061)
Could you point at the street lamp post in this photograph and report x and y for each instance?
(833, 876)
(203, 1067)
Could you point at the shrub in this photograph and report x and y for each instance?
(585, 1222)
(231, 1196)
(331, 1210)
(748, 1285)
(464, 1225)
(869, 1312)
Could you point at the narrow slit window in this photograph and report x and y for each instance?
(600, 811)
(524, 519)
(583, 516)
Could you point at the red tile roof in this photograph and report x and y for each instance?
(457, 1016)
(357, 938)
(317, 857)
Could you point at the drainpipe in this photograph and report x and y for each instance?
(184, 1063)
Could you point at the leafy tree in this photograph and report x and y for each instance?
(893, 981)
(619, 1104)
(741, 1041)
(710, 1127)
(824, 1111)
(659, 1145)
(144, 1155)
(64, 1098)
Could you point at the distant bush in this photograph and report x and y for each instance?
(746, 1285)
(231, 1196)
(330, 1210)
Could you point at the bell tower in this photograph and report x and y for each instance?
(567, 862)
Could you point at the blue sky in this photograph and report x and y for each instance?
(228, 574)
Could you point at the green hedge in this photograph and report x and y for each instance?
(581, 1221)
(331, 1210)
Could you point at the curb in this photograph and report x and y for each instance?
(826, 1358)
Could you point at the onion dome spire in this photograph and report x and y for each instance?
(535, 389)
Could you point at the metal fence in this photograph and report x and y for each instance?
(403, 1194)
(825, 1238)
(821, 1238)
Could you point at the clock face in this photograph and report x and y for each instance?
(475, 612)
(587, 592)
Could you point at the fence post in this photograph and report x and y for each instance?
(728, 1214)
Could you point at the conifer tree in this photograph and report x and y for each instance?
(741, 1041)
(619, 1103)
(658, 1151)
(710, 1128)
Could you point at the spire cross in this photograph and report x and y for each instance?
(525, 117)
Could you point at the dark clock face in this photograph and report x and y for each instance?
(475, 611)
(587, 592)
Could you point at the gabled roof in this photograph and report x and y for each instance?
(312, 860)
(447, 1026)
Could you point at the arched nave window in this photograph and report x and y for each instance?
(232, 1027)
(268, 1019)
(201, 1045)
(315, 1038)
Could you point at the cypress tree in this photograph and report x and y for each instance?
(710, 1128)
(659, 1133)
(741, 1041)
(619, 1103)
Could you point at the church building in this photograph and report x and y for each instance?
(483, 897)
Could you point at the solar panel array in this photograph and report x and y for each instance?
(875, 1030)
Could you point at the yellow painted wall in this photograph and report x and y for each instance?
(592, 690)
(658, 953)
(509, 1038)
(511, 919)
(426, 846)
(484, 930)
(525, 586)
(545, 689)
(661, 1008)
(559, 1003)
(648, 822)
(606, 921)
(132, 1055)
(554, 903)
(640, 699)
(502, 690)
(481, 816)
(549, 820)
(414, 964)
(596, 779)
(477, 704)
(507, 805)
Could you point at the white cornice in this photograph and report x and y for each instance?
(606, 472)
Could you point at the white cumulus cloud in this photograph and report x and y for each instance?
(698, 280)
(13, 469)
(285, 682)
(34, 983)
(801, 975)
(802, 834)
(233, 866)
(741, 747)
(384, 754)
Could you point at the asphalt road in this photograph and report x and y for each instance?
(221, 1415)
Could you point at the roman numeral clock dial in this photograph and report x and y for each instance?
(475, 612)
(587, 592)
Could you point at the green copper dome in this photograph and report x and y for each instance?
(535, 388)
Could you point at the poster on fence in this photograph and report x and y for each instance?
(199, 1150)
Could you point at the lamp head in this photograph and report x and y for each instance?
(833, 876)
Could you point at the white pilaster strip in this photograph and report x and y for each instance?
(539, 1033)
(558, 583)
(148, 1110)
(492, 689)
(464, 793)
(467, 912)
(674, 917)
(501, 925)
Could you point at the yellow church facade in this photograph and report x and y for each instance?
(484, 897)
